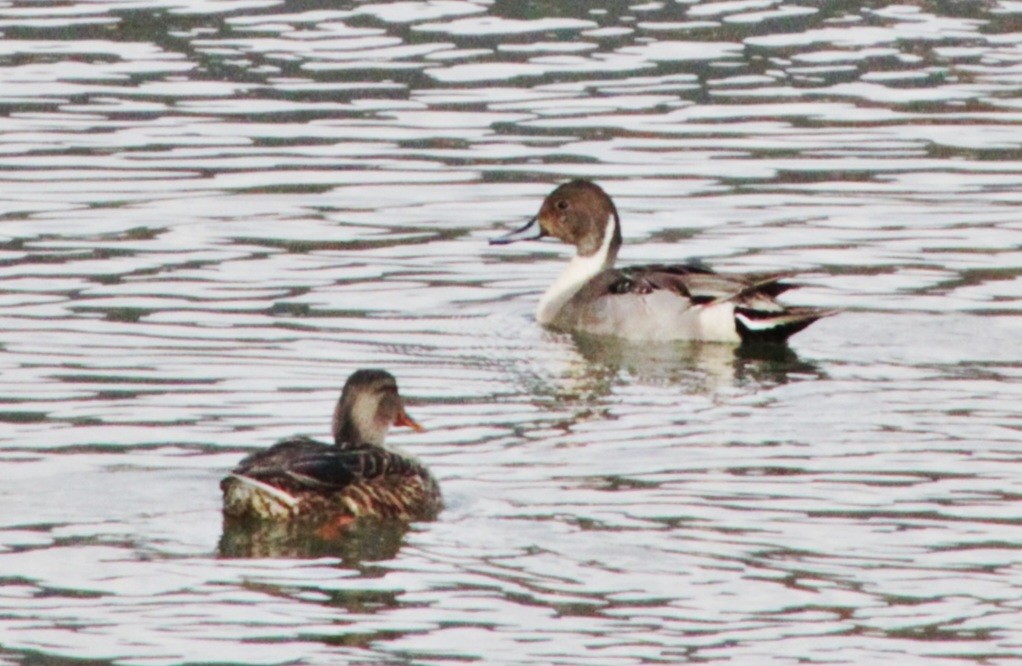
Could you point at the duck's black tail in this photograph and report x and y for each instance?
(762, 326)
(760, 318)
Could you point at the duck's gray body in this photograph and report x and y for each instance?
(663, 303)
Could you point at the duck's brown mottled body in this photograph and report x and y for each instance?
(302, 480)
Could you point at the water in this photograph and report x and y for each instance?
(214, 211)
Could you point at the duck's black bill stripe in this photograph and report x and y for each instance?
(531, 231)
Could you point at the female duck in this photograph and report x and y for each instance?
(647, 303)
(304, 480)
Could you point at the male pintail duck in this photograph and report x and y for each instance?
(301, 479)
(647, 303)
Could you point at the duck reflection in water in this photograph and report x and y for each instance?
(368, 540)
(700, 366)
(299, 496)
(594, 365)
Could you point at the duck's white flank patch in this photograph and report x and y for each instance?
(580, 270)
(267, 489)
(717, 322)
(756, 324)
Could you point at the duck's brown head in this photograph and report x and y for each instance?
(579, 213)
(370, 404)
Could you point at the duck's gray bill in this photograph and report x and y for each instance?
(531, 231)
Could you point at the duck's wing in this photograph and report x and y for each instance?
(698, 284)
(305, 464)
(337, 470)
(276, 459)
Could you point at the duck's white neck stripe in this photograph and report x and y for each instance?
(579, 271)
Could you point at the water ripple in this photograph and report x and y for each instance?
(213, 211)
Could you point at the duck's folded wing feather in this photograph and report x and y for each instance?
(695, 283)
(338, 470)
(274, 459)
(303, 463)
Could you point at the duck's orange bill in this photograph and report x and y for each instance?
(404, 420)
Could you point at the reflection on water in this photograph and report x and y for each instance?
(698, 367)
(369, 541)
(592, 368)
(212, 212)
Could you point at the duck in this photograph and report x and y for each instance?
(651, 303)
(301, 480)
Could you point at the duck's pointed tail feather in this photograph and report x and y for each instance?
(763, 326)
(769, 286)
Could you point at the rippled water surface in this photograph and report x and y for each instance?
(214, 210)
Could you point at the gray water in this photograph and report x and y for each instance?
(214, 210)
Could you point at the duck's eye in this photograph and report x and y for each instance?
(562, 205)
